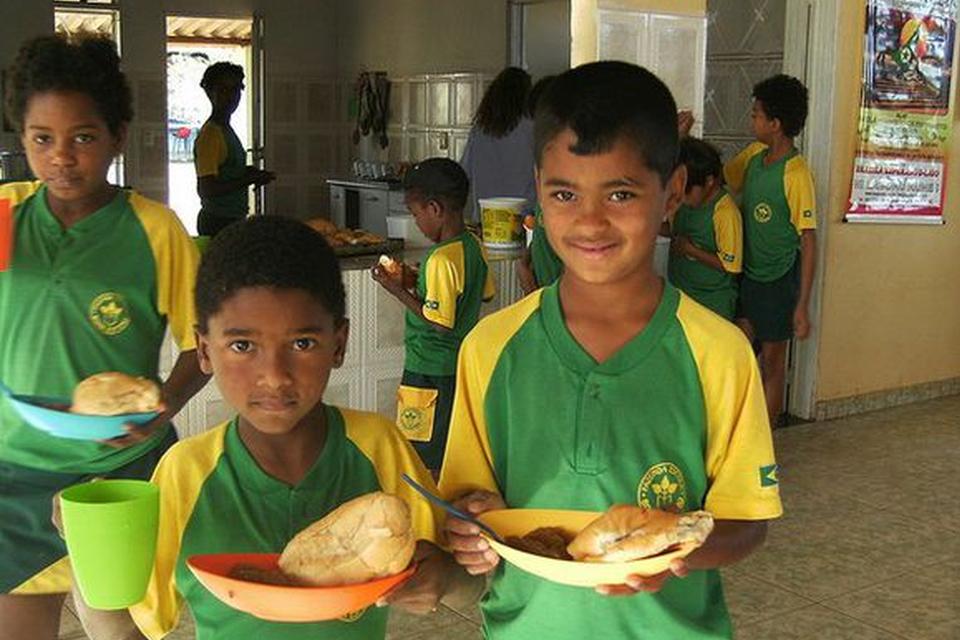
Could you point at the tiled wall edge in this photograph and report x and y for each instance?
(851, 405)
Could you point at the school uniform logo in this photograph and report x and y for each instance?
(410, 418)
(762, 213)
(108, 313)
(663, 487)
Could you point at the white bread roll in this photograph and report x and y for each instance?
(368, 537)
(112, 393)
(626, 533)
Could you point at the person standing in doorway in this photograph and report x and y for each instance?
(219, 157)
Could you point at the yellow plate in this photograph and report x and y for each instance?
(519, 522)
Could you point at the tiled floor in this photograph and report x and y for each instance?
(869, 547)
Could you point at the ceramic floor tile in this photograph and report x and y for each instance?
(813, 623)
(920, 605)
(751, 600)
(403, 626)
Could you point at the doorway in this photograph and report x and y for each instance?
(193, 44)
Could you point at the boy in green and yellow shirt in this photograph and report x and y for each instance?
(609, 386)
(778, 202)
(707, 246)
(442, 305)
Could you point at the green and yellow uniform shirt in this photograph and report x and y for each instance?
(218, 152)
(95, 297)
(674, 420)
(216, 499)
(453, 282)
(547, 266)
(778, 204)
(715, 227)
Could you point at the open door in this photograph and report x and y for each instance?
(258, 116)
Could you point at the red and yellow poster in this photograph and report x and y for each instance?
(899, 172)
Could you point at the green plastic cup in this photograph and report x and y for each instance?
(111, 531)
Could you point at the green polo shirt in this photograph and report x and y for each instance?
(675, 419)
(778, 204)
(95, 297)
(218, 152)
(715, 227)
(215, 498)
(453, 282)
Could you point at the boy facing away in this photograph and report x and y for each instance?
(779, 229)
(609, 386)
(443, 302)
(271, 327)
(707, 246)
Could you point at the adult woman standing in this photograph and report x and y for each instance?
(498, 157)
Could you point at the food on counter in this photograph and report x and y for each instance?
(366, 538)
(112, 393)
(338, 237)
(393, 268)
(626, 533)
(550, 542)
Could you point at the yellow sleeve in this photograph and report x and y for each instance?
(180, 474)
(391, 456)
(468, 461)
(16, 192)
(740, 464)
(735, 170)
(176, 258)
(728, 229)
(801, 195)
(490, 285)
(209, 150)
(444, 284)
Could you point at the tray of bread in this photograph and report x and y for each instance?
(354, 242)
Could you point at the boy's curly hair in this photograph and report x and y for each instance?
(268, 251)
(86, 65)
(785, 98)
(702, 161)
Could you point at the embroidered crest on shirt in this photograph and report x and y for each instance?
(108, 313)
(762, 212)
(663, 487)
(770, 475)
(410, 418)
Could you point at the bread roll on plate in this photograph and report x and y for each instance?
(626, 533)
(393, 268)
(366, 538)
(112, 393)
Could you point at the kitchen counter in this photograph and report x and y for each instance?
(416, 256)
(362, 183)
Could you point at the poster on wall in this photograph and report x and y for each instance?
(899, 172)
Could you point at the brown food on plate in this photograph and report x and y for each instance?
(322, 225)
(626, 533)
(550, 542)
(392, 268)
(366, 538)
(112, 393)
(250, 573)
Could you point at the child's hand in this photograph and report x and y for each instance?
(801, 322)
(645, 584)
(137, 433)
(391, 284)
(56, 514)
(680, 245)
(685, 122)
(528, 282)
(470, 550)
(421, 594)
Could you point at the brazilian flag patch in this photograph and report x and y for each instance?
(770, 475)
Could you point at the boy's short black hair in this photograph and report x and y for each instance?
(785, 98)
(86, 65)
(702, 161)
(268, 251)
(218, 70)
(602, 102)
(438, 179)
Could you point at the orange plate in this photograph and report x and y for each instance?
(282, 603)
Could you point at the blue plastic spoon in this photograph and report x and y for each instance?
(449, 508)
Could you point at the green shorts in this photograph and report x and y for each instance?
(769, 306)
(723, 302)
(424, 405)
(29, 543)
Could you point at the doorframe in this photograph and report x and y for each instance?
(810, 43)
(258, 104)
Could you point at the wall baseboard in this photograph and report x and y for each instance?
(851, 405)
